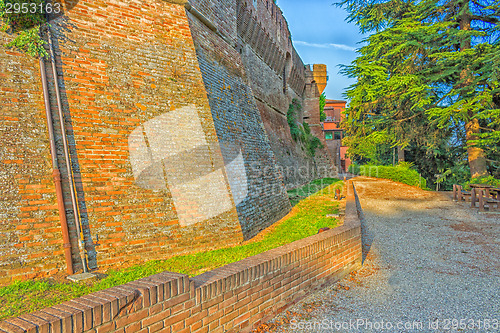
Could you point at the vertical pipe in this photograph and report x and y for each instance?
(81, 243)
(56, 174)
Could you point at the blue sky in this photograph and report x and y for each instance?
(322, 36)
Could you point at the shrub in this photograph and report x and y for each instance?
(290, 117)
(302, 132)
(400, 173)
(490, 180)
(23, 26)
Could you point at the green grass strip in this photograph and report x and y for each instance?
(302, 192)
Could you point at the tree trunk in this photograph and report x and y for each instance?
(401, 154)
(476, 156)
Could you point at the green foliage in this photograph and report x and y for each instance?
(322, 103)
(291, 116)
(302, 132)
(309, 216)
(313, 144)
(436, 160)
(456, 174)
(407, 165)
(372, 147)
(490, 180)
(429, 69)
(400, 173)
(24, 27)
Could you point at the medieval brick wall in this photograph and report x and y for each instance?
(277, 75)
(177, 133)
(132, 94)
(151, 170)
(257, 186)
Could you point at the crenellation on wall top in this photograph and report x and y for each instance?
(271, 19)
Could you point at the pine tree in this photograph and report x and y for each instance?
(430, 69)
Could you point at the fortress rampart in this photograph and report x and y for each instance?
(175, 115)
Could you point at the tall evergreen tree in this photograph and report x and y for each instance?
(429, 71)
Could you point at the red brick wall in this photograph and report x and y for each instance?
(31, 241)
(121, 64)
(233, 298)
(124, 64)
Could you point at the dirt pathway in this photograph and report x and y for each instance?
(431, 265)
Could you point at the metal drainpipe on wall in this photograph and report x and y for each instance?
(56, 174)
(69, 169)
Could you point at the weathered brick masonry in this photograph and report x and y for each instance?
(233, 298)
(29, 222)
(126, 66)
(260, 195)
(276, 75)
(177, 132)
(123, 64)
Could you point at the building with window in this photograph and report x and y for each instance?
(334, 133)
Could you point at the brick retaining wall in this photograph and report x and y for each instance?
(233, 298)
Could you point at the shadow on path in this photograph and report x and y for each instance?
(426, 260)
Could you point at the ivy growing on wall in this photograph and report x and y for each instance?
(322, 103)
(302, 132)
(22, 20)
(291, 116)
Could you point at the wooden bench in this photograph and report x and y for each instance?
(487, 198)
(459, 194)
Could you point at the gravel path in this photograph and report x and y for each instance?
(431, 265)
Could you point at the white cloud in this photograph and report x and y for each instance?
(326, 45)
